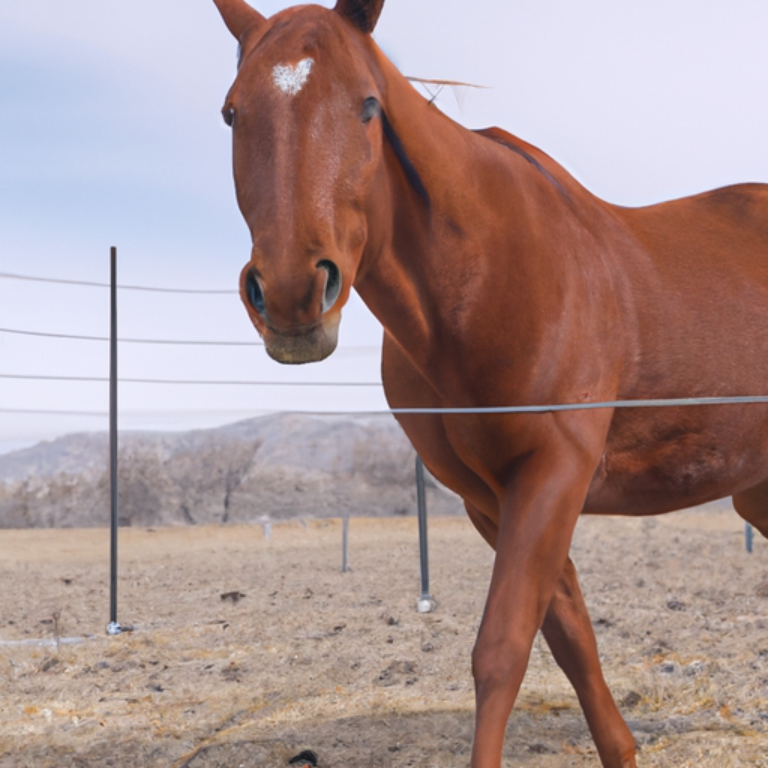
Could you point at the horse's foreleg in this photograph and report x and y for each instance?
(538, 513)
(568, 632)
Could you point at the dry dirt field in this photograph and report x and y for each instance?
(311, 658)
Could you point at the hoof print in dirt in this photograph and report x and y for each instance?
(307, 757)
(397, 672)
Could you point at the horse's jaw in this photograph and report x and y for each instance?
(305, 346)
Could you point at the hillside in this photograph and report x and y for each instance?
(270, 468)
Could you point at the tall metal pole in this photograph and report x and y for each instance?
(426, 603)
(113, 628)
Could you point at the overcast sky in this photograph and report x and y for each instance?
(110, 134)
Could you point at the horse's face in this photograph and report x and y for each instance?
(307, 144)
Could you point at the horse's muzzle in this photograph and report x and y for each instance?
(305, 346)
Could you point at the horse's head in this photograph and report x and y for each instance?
(304, 111)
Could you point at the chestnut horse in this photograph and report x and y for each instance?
(500, 280)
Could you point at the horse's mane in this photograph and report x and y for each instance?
(501, 136)
(411, 174)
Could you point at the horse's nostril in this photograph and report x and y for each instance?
(254, 293)
(332, 283)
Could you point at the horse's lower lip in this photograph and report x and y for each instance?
(306, 345)
(297, 331)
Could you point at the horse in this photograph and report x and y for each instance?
(500, 280)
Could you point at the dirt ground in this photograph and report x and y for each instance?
(301, 656)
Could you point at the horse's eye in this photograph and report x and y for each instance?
(371, 108)
(228, 113)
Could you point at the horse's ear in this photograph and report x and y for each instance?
(362, 13)
(239, 16)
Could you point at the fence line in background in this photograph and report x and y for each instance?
(675, 402)
(44, 412)
(219, 382)
(94, 284)
(180, 342)
(426, 603)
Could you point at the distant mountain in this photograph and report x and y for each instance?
(270, 468)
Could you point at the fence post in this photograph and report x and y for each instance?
(748, 537)
(426, 603)
(345, 544)
(113, 628)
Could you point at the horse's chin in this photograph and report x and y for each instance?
(309, 347)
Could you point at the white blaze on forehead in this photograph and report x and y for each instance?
(291, 79)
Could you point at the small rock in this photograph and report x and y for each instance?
(541, 749)
(49, 663)
(675, 605)
(232, 672)
(693, 669)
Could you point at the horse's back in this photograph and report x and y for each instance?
(699, 271)
(700, 274)
(726, 226)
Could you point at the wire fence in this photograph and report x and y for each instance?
(153, 381)
(94, 284)
(426, 602)
(679, 402)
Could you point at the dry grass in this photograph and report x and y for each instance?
(342, 663)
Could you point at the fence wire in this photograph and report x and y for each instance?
(180, 342)
(679, 402)
(93, 284)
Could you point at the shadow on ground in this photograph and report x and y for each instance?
(424, 740)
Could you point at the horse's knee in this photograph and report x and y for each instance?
(497, 665)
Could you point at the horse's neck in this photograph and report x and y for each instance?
(431, 256)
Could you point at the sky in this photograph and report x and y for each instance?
(110, 135)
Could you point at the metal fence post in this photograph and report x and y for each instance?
(113, 628)
(426, 603)
(345, 545)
